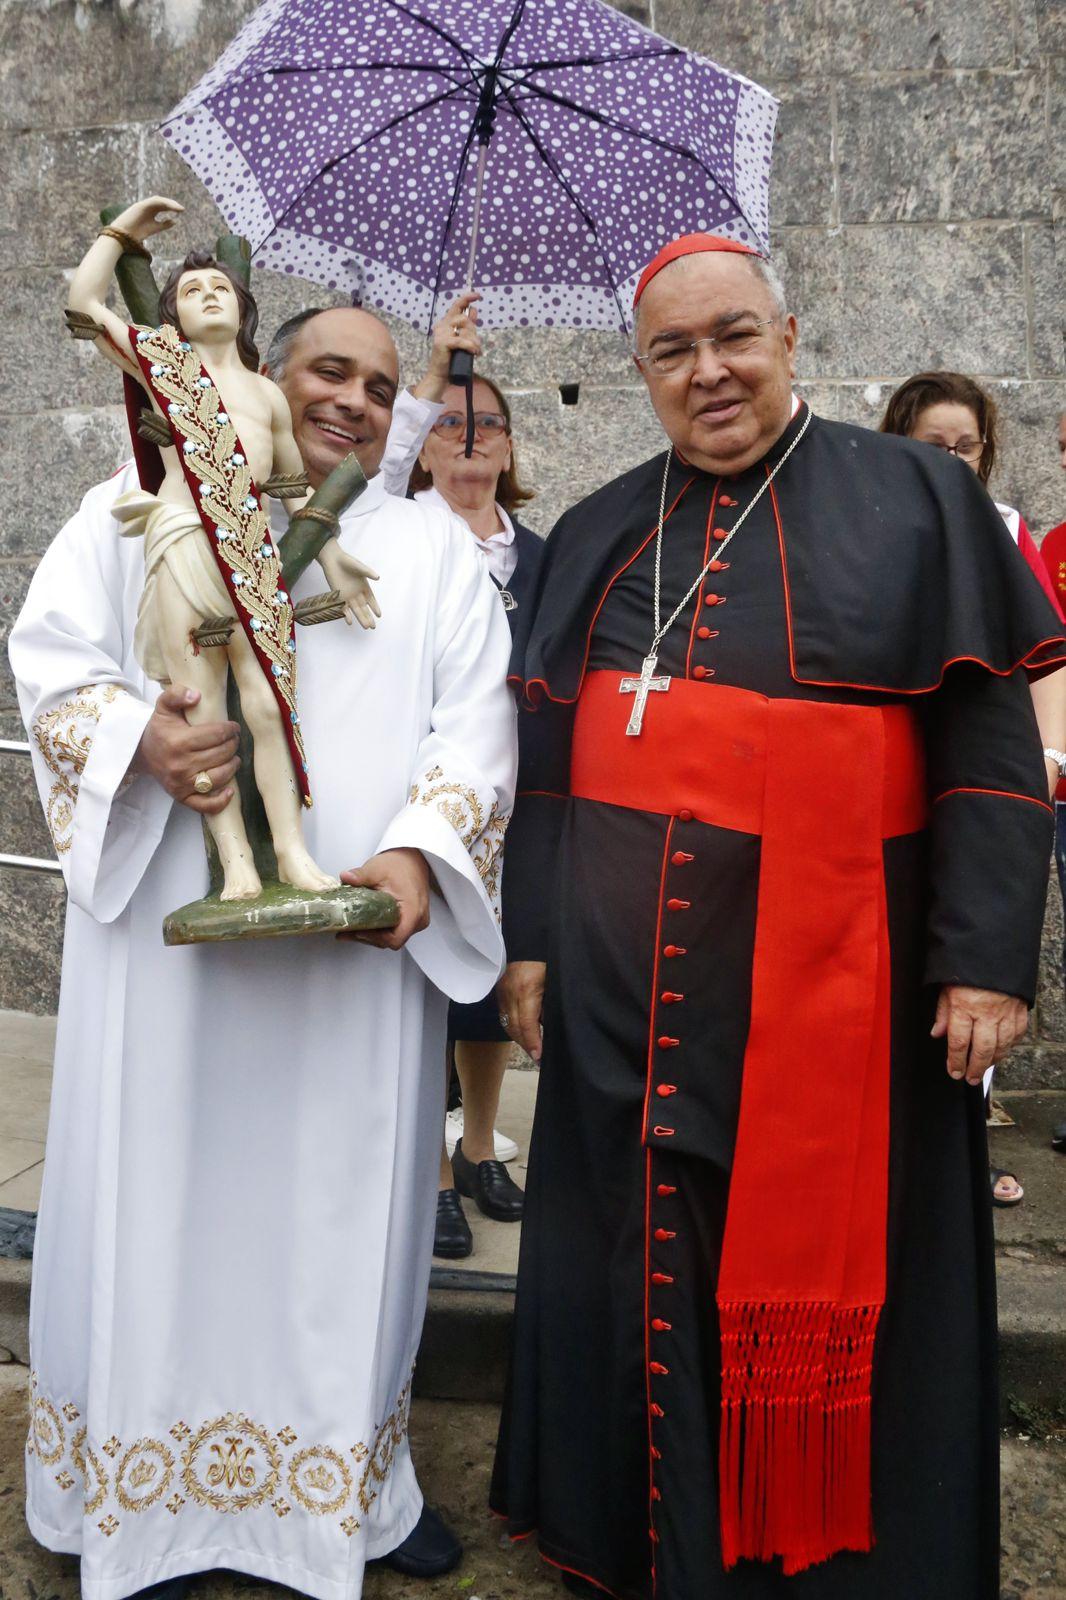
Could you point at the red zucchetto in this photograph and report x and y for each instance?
(690, 244)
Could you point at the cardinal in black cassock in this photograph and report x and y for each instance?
(783, 831)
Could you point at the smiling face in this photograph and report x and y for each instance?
(207, 306)
(726, 408)
(340, 378)
(467, 481)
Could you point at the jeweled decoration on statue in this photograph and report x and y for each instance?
(216, 614)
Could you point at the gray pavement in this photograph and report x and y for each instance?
(462, 1362)
(452, 1444)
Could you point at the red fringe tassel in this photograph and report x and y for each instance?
(794, 1456)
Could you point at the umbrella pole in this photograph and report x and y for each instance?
(461, 366)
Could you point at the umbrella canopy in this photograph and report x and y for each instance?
(342, 138)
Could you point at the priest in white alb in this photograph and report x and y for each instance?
(236, 1221)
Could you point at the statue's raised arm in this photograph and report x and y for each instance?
(93, 277)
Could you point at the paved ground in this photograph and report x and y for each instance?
(453, 1446)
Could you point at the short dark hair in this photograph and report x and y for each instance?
(510, 492)
(280, 347)
(202, 261)
(927, 389)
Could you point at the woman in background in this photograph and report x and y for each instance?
(483, 489)
(951, 411)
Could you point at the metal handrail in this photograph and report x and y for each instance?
(19, 747)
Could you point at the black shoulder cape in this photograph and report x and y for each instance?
(896, 564)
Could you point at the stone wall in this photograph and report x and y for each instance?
(919, 178)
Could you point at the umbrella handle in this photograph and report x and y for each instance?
(461, 373)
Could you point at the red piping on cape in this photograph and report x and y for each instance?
(610, 585)
(1000, 794)
(881, 688)
(527, 685)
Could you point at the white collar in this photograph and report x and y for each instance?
(503, 536)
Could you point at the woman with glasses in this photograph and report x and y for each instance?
(484, 490)
(952, 412)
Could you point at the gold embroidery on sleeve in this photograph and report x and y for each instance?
(488, 856)
(64, 737)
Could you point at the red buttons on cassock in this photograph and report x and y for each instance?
(681, 858)
(664, 1189)
(703, 672)
(656, 1494)
(719, 533)
(678, 905)
(665, 1090)
(667, 1042)
(672, 950)
(660, 1326)
(668, 998)
(713, 600)
(703, 633)
(718, 566)
(661, 1278)
(659, 1370)
(652, 1535)
(726, 500)
(663, 1133)
(656, 1411)
(662, 1234)
(656, 1455)
(684, 815)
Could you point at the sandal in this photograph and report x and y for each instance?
(996, 1176)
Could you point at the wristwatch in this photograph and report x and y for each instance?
(1059, 759)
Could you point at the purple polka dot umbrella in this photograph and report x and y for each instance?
(541, 149)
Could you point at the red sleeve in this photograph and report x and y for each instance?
(1053, 555)
(1027, 546)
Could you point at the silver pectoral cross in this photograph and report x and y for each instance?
(642, 687)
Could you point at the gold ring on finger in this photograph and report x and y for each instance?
(202, 783)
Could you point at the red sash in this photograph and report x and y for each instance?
(220, 481)
(802, 1278)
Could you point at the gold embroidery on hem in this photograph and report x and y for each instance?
(230, 1464)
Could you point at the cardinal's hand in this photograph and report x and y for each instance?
(980, 1026)
(520, 996)
(350, 577)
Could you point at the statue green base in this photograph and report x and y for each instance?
(278, 912)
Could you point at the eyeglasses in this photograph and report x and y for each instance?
(452, 425)
(740, 339)
(968, 450)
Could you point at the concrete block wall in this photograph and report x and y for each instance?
(918, 196)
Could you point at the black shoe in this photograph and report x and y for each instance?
(452, 1237)
(1058, 1137)
(429, 1549)
(490, 1186)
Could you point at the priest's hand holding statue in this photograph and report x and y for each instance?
(216, 597)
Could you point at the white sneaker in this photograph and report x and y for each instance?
(506, 1149)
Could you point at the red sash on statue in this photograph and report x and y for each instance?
(238, 531)
(802, 1277)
